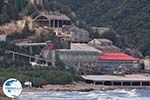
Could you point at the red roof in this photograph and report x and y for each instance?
(49, 46)
(116, 56)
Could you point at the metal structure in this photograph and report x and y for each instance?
(27, 56)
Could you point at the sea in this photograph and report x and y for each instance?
(119, 94)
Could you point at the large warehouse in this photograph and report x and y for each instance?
(80, 55)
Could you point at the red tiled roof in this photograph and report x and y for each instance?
(116, 56)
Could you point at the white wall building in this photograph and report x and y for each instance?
(2, 38)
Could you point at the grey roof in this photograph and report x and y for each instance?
(55, 16)
(81, 47)
(98, 44)
(99, 41)
(74, 28)
(101, 30)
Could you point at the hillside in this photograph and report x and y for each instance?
(128, 18)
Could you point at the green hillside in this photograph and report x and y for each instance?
(129, 18)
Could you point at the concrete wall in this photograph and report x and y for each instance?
(78, 59)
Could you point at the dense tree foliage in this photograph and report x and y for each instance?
(9, 46)
(10, 9)
(38, 76)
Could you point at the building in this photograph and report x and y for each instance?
(104, 45)
(117, 61)
(79, 56)
(2, 38)
(147, 63)
(101, 30)
(47, 51)
(52, 20)
(77, 35)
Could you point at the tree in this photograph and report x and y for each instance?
(4, 15)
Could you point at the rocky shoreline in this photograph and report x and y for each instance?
(76, 86)
(80, 86)
(68, 87)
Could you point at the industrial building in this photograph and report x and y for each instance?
(80, 55)
(84, 59)
(104, 45)
(113, 62)
(52, 20)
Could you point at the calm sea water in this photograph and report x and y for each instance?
(93, 95)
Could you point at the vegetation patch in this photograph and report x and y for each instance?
(39, 76)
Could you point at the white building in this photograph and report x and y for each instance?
(2, 38)
(77, 35)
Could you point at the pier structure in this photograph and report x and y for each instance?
(133, 80)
